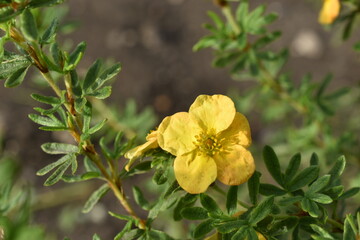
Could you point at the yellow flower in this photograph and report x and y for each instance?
(329, 11)
(136, 152)
(209, 143)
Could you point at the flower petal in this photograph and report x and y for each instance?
(214, 112)
(194, 172)
(176, 133)
(329, 11)
(136, 152)
(234, 167)
(238, 131)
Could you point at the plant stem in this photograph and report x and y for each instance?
(335, 223)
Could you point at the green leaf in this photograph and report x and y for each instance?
(11, 63)
(16, 78)
(320, 198)
(310, 207)
(205, 42)
(57, 174)
(272, 164)
(186, 201)
(44, 3)
(140, 199)
(269, 189)
(242, 11)
(28, 25)
(230, 226)
(75, 57)
(160, 176)
(261, 211)
(319, 184)
(97, 127)
(46, 121)
(59, 148)
(95, 197)
(155, 234)
(338, 168)
(209, 204)
(314, 160)
(120, 216)
(203, 228)
(194, 213)
(101, 93)
(8, 13)
(126, 229)
(92, 74)
(292, 167)
(217, 20)
(53, 165)
(133, 234)
(253, 187)
(96, 237)
(349, 193)
(241, 233)
(290, 200)
(349, 228)
(46, 99)
(107, 75)
(305, 177)
(231, 199)
(50, 33)
(321, 232)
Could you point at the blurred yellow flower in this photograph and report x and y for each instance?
(209, 143)
(329, 11)
(136, 152)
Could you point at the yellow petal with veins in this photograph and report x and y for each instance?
(176, 134)
(235, 166)
(194, 173)
(238, 131)
(214, 112)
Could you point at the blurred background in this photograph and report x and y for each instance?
(153, 40)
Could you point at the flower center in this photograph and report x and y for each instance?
(208, 144)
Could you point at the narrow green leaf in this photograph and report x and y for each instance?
(205, 42)
(217, 20)
(53, 165)
(28, 25)
(52, 129)
(59, 148)
(133, 234)
(56, 54)
(101, 93)
(97, 127)
(203, 228)
(231, 199)
(44, 3)
(241, 233)
(349, 228)
(92, 74)
(172, 188)
(253, 187)
(209, 204)
(319, 184)
(305, 177)
(75, 57)
(310, 207)
(269, 189)
(261, 211)
(230, 226)
(293, 167)
(155, 234)
(194, 213)
(349, 193)
(11, 63)
(16, 78)
(290, 200)
(337, 169)
(95, 197)
(107, 75)
(321, 232)
(242, 11)
(57, 174)
(140, 199)
(46, 121)
(46, 99)
(50, 33)
(314, 160)
(120, 216)
(272, 164)
(320, 198)
(8, 13)
(160, 177)
(126, 229)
